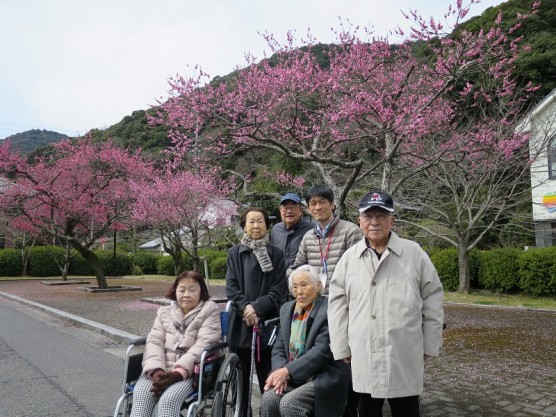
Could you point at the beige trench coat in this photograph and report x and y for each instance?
(386, 315)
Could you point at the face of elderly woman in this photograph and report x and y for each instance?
(304, 290)
(188, 294)
(255, 226)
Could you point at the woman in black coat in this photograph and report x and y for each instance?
(256, 285)
(305, 378)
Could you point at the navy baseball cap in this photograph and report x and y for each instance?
(291, 197)
(376, 199)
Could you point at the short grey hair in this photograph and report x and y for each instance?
(308, 270)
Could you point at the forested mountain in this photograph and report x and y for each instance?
(30, 140)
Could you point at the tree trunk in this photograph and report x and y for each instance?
(463, 266)
(65, 267)
(95, 263)
(24, 261)
(178, 264)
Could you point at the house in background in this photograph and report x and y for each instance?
(222, 213)
(541, 123)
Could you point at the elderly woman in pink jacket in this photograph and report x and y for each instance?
(176, 341)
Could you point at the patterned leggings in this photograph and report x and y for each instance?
(169, 403)
(296, 402)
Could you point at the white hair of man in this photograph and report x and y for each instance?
(311, 272)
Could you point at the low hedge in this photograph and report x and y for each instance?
(42, 261)
(499, 269)
(537, 271)
(11, 264)
(218, 268)
(147, 262)
(446, 263)
(165, 264)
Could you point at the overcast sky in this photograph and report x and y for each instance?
(74, 65)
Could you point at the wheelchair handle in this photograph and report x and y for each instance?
(138, 342)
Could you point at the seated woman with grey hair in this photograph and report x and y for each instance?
(305, 378)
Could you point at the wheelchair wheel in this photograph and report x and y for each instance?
(228, 388)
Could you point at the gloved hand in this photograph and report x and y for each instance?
(164, 381)
(156, 374)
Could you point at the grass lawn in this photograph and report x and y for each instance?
(482, 297)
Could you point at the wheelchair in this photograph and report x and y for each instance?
(217, 380)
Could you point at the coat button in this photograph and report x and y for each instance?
(373, 283)
(373, 317)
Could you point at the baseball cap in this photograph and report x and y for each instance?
(376, 199)
(291, 197)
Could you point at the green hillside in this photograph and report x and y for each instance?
(30, 140)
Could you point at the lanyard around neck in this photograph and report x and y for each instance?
(324, 257)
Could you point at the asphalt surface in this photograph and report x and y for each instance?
(495, 361)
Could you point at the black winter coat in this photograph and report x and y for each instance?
(247, 284)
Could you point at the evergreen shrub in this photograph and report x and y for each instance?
(147, 262)
(42, 261)
(79, 266)
(499, 269)
(537, 271)
(446, 263)
(10, 262)
(218, 268)
(119, 266)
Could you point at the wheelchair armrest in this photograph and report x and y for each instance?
(138, 342)
(272, 321)
(215, 347)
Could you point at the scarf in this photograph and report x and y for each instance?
(258, 247)
(298, 335)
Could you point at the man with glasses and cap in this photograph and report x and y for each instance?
(288, 233)
(385, 312)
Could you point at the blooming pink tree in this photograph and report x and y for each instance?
(361, 120)
(184, 206)
(482, 176)
(75, 194)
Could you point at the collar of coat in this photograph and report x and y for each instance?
(394, 245)
(329, 227)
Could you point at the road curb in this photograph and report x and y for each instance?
(116, 334)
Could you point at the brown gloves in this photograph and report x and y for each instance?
(162, 381)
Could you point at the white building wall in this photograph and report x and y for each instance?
(541, 123)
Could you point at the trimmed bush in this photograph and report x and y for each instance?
(474, 266)
(146, 261)
(165, 265)
(212, 254)
(42, 261)
(446, 263)
(499, 269)
(79, 266)
(218, 268)
(119, 266)
(10, 262)
(537, 271)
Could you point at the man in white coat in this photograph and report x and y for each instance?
(385, 312)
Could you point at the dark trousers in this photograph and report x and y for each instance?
(262, 368)
(400, 407)
(352, 402)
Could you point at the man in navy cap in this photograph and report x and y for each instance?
(288, 233)
(385, 312)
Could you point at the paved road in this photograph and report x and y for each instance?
(51, 368)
